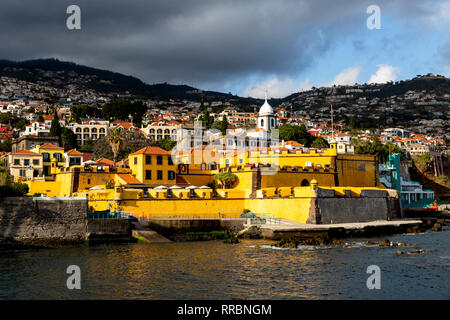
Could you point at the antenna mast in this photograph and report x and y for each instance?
(332, 123)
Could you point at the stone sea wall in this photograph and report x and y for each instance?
(28, 222)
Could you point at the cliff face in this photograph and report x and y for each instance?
(28, 222)
(428, 182)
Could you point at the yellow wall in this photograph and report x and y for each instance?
(140, 167)
(357, 170)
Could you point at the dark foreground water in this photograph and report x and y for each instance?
(214, 270)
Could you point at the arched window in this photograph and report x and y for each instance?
(86, 130)
(262, 122)
(272, 121)
(78, 130)
(166, 131)
(152, 130)
(102, 130)
(305, 183)
(94, 130)
(159, 131)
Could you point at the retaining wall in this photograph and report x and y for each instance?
(24, 221)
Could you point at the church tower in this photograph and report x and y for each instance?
(266, 117)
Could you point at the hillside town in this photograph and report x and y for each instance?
(27, 109)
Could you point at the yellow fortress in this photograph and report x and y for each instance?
(307, 186)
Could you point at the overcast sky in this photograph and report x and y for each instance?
(244, 47)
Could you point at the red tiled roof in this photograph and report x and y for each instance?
(25, 151)
(49, 146)
(129, 179)
(74, 152)
(5, 137)
(152, 150)
(105, 161)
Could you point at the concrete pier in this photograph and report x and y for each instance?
(291, 230)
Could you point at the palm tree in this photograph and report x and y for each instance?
(115, 139)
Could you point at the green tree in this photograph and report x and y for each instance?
(116, 110)
(19, 123)
(5, 117)
(166, 144)
(88, 146)
(55, 129)
(222, 126)
(115, 139)
(122, 109)
(226, 179)
(5, 146)
(68, 139)
(206, 119)
(320, 143)
(289, 132)
(132, 142)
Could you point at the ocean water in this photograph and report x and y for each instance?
(252, 269)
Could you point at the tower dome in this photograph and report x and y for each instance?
(266, 108)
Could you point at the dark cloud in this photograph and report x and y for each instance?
(195, 42)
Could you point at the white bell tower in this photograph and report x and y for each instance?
(266, 118)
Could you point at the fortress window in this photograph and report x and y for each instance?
(159, 160)
(272, 123)
(159, 175)
(148, 159)
(148, 174)
(262, 122)
(135, 160)
(305, 183)
(89, 181)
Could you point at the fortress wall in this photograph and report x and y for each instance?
(343, 210)
(296, 209)
(24, 221)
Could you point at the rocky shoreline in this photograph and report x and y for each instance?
(337, 236)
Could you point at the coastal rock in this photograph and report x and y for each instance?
(385, 243)
(436, 227)
(337, 242)
(416, 251)
(288, 244)
(231, 240)
(252, 232)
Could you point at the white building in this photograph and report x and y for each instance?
(35, 129)
(266, 117)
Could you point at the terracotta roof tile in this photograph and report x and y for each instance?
(25, 151)
(49, 146)
(74, 152)
(152, 150)
(129, 179)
